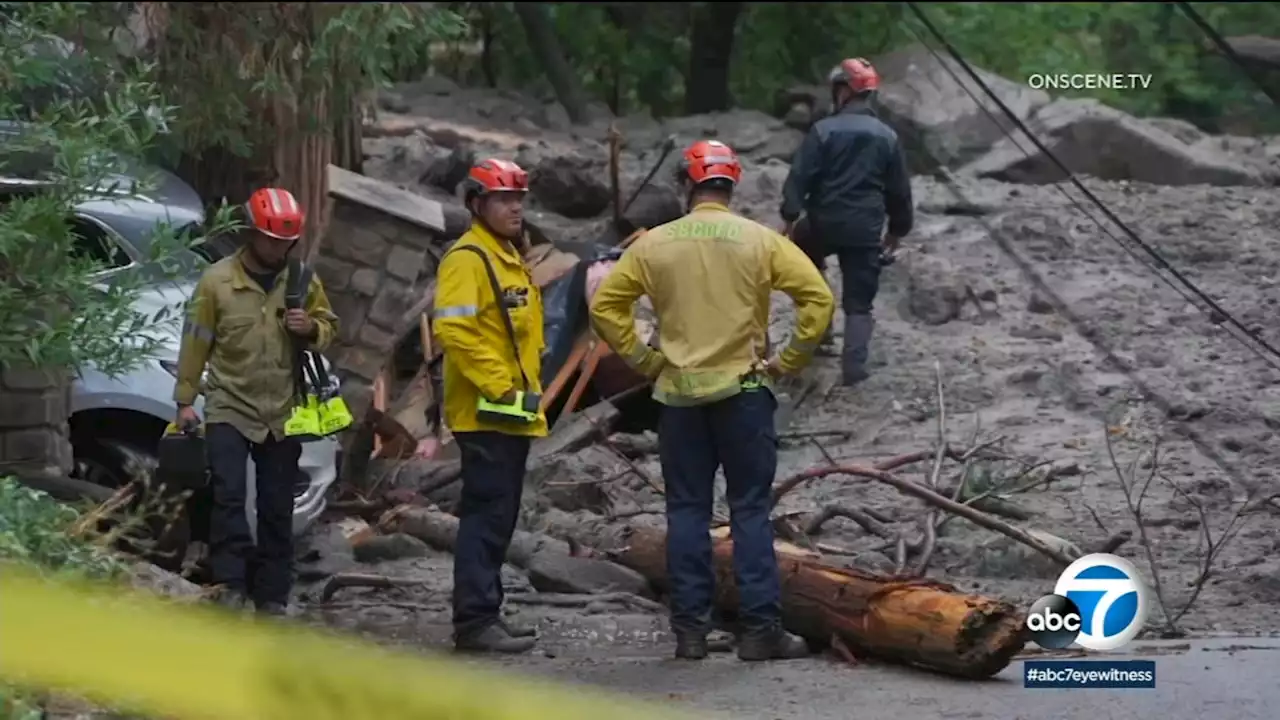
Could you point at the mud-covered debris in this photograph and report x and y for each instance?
(389, 547)
(559, 573)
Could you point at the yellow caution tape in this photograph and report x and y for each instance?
(144, 654)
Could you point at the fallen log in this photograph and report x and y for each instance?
(916, 622)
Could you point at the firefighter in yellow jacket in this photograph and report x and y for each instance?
(238, 327)
(488, 321)
(709, 275)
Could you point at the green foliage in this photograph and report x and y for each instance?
(635, 56)
(42, 533)
(238, 69)
(73, 137)
(39, 531)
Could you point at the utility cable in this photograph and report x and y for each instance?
(1219, 313)
(1225, 48)
(1081, 326)
(1141, 259)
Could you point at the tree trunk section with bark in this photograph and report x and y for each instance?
(710, 57)
(916, 622)
(545, 45)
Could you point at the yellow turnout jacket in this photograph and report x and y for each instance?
(709, 275)
(478, 356)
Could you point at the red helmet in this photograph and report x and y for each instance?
(276, 213)
(710, 160)
(494, 175)
(856, 74)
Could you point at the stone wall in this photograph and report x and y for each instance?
(376, 268)
(34, 437)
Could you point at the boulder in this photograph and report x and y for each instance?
(446, 172)
(936, 293)
(751, 133)
(570, 185)
(555, 572)
(938, 121)
(1093, 139)
(800, 106)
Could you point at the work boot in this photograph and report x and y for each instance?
(771, 643)
(273, 609)
(827, 346)
(492, 639)
(518, 630)
(691, 645)
(857, 342)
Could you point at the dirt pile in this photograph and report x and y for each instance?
(1022, 337)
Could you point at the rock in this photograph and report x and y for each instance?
(389, 547)
(438, 85)
(569, 482)
(800, 117)
(800, 106)
(653, 206)
(392, 102)
(1039, 304)
(1181, 129)
(1090, 138)
(446, 172)
(557, 572)
(938, 122)
(570, 185)
(935, 291)
(153, 579)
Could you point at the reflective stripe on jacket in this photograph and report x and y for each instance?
(710, 275)
(237, 331)
(478, 358)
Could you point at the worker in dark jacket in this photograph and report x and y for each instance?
(848, 175)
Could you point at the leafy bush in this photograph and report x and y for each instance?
(67, 145)
(37, 530)
(41, 532)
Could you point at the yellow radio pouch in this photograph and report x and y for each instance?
(524, 409)
(304, 419)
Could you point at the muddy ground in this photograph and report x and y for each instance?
(1013, 364)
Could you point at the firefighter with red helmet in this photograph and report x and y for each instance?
(848, 177)
(709, 276)
(488, 321)
(240, 331)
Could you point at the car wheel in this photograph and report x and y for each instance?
(114, 464)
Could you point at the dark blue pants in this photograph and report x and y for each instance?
(492, 483)
(737, 434)
(264, 572)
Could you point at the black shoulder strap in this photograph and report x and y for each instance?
(296, 286)
(299, 281)
(502, 308)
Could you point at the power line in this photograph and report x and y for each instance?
(1083, 328)
(1225, 48)
(1218, 311)
(1141, 259)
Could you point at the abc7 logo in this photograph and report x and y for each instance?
(1115, 606)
